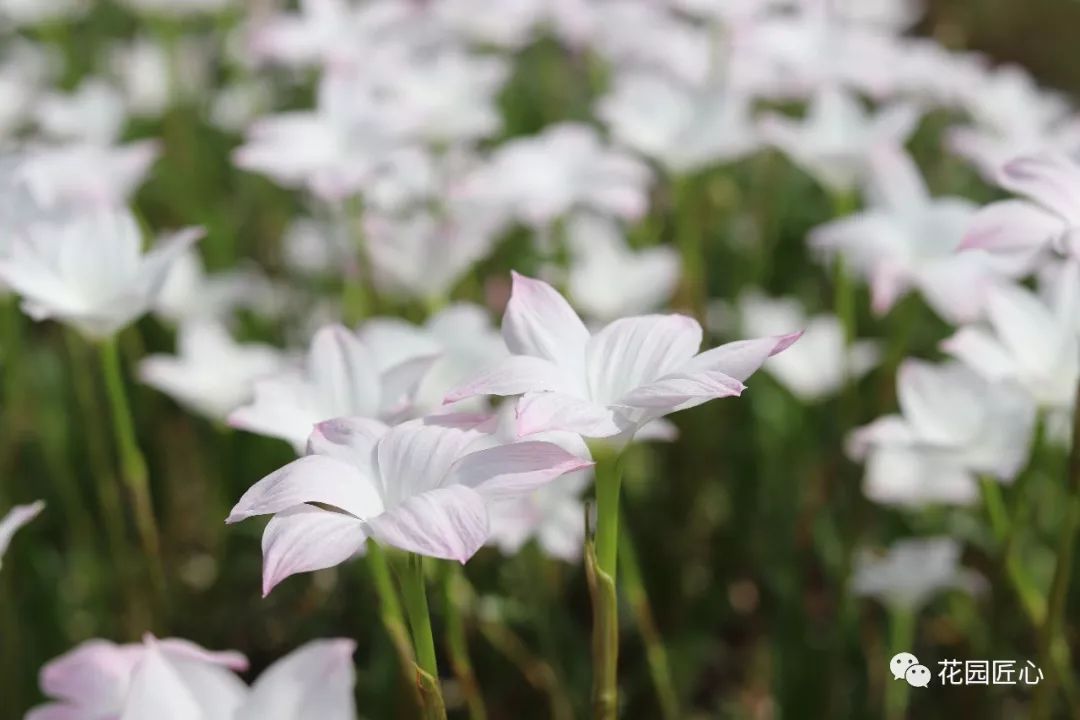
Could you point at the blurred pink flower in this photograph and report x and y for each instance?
(425, 488)
(631, 372)
(87, 174)
(1050, 217)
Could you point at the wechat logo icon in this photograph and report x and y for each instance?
(905, 666)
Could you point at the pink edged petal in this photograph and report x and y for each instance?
(158, 691)
(638, 350)
(315, 478)
(1053, 181)
(315, 680)
(680, 391)
(94, 675)
(56, 711)
(1011, 225)
(888, 282)
(514, 469)
(350, 439)
(539, 322)
(449, 523)
(539, 412)
(187, 650)
(741, 359)
(306, 538)
(514, 375)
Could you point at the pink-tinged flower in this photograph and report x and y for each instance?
(99, 680)
(314, 681)
(341, 376)
(541, 178)
(169, 678)
(816, 367)
(191, 294)
(90, 271)
(836, 139)
(16, 518)
(908, 240)
(647, 36)
(212, 374)
(912, 572)
(1050, 216)
(424, 488)
(607, 279)
(954, 426)
(632, 371)
(683, 127)
(87, 174)
(1029, 341)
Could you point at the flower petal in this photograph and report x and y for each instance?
(514, 469)
(740, 359)
(539, 322)
(17, 517)
(315, 478)
(351, 440)
(315, 680)
(305, 538)
(449, 523)
(539, 412)
(680, 391)
(638, 350)
(1051, 180)
(515, 375)
(416, 456)
(1011, 225)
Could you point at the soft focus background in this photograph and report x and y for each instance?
(746, 527)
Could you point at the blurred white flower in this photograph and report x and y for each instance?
(235, 106)
(607, 279)
(1030, 341)
(314, 247)
(836, 138)
(152, 76)
(683, 127)
(634, 35)
(25, 68)
(87, 175)
(93, 113)
(954, 426)
(177, 679)
(211, 373)
(541, 178)
(424, 255)
(90, 271)
(178, 8)
(460, 337)
(816, 366)
(28, 13)
(15, 519)
(341, 377)
(908, 576)
(190, 293)
(907, 239)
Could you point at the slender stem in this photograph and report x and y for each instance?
(601, 561)
(901, 638)
(1051, 631)
(414, 592)
(457, 642)
(391, 614)
(1031, 599)
(689, 238)
(655, 653)
(132, 463)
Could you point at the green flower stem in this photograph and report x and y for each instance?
(391, 614)
(1031, 599)
(601, 566)
(655, 653)
(689, 238)
(1050, 635)
(414, 592)
(457, 643)
(901, 639)
(132, 463)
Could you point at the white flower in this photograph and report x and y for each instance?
(178, 8)
(341, 377)
(912, 572)
(190, 293)
(609, 280)
(836, 138)
(313, 247)
(84, 174)
(25, 13)
(906, 239)
(816, 366)
(212, 373)
(93, 113)
(16, 518)
(953, 426)
(683, 127)
(90, 271)
(541, 178)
